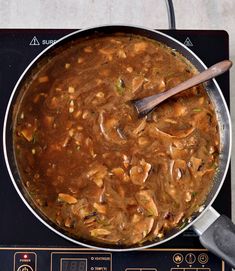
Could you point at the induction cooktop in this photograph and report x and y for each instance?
(27, 245)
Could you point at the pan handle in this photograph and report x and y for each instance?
(171, 14)
(217, 234)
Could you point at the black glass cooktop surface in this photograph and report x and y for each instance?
(24, 241)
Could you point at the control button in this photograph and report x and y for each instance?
(178, 258)
(25, 261)
(203, 258)
(190, 258)
(25, 268)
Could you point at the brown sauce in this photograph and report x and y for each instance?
(93, 167)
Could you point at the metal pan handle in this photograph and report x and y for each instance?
(217, 234)
(171, 14)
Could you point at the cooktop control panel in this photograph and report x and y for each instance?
(79, 259)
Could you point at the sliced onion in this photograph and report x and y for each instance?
(141, 126)
(109, 129)
(182, 135)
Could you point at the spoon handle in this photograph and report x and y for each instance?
(145, 105)
(211, 72)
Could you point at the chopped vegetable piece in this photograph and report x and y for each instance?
(137, 83)
(194, 194)
(188, 196)
(97, 174)
(184, 223)
(195, 164)
(67, 65)
(71, 89)
(129, 69)
(121, 53)
(120, 173)
(126, 161)
(145, 199)
(67, 198)
(141, 125)
(140, 46)
(68, 222)
(100, 208)
(120, 86)
(80, 60)
(99, 232)
(43, 79)
(109, 127)
(197, 110)
(27, 134)
(141, 229)
(100, 94)
(22, 115)
(140, 173)
(88, 49)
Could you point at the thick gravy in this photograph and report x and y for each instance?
(93, 167)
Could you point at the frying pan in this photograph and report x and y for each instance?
(216, 232)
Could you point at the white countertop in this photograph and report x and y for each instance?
(190, 14)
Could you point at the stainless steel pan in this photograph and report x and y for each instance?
(216, 232)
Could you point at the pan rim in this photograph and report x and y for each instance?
(9, 105)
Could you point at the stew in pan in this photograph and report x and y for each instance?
(91, 165)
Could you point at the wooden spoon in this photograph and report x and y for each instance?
(147, 104)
